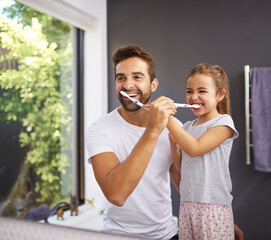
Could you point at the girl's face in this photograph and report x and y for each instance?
(201, 90)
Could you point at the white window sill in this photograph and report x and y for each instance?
(87, 218)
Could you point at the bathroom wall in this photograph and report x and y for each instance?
(183, 33)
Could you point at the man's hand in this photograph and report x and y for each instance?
(160, 110)
(238, 233)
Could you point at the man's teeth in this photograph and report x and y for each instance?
(132, 95)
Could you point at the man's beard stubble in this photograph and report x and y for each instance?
(134, 107)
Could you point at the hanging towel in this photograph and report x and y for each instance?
(261, 117)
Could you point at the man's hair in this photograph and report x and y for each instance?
(126, 52)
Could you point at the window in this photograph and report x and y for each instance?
(41, 120)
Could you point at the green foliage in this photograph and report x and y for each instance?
(52, 28)
(37, 93)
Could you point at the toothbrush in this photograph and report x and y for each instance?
(187, 105)
(141, 105)
(134, 100)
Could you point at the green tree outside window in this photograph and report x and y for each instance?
(35, 83)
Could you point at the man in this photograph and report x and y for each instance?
(130, 153)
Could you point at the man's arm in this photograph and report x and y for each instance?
(175, 168)
(119, 179)
(175, 176)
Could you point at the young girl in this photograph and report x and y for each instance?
(205, 188)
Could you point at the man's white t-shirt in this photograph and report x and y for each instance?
(147, 212)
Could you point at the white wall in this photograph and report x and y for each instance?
(95, 85)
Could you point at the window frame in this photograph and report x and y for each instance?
(78, 114)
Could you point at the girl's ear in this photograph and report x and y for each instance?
(221, 95)
(154, 84)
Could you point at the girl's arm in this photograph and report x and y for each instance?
(196, 147)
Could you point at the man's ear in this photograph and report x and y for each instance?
(154, 84)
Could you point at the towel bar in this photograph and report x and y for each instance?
(248, 114)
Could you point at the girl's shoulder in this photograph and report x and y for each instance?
(224, 120)
(219, 119)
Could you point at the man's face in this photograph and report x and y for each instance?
(133, 78)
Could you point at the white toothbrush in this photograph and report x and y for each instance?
(187, 105)
(134, 100)
(177, 104)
